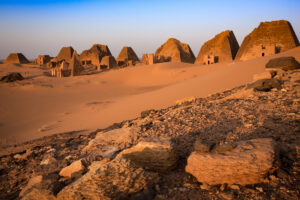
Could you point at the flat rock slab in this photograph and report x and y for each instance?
(284, 63)
(153, 154)
(248, 162)
(117, 179)
(114, 137)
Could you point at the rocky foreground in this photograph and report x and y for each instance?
(239, 144)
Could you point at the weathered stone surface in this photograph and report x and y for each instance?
(17, 58)
(267, 39)
(72, 170)
(284, 63)
(66, 53)
(264, 75)
(94, 55)
(36, 180)
(117, 179)
(36, 194)
(107, 62)
(148, 59)
(42, 59)
(11, 77)
(75, 65)
(114, 137)
(265, 85)
(185, 100)
(127, 57)
(153, 154)
(247, 163)
(174, 51)
(223, 47)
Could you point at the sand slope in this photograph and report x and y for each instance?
(42, 105)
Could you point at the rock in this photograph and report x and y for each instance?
(235, 187)
(117, 179)
(36, 180)
(72, 170)
(11, 77)
(153, 154)
(223, 47)
(205, 187)
(23, 156)
(259, 189)
(174, 51)
(16, 58)
(222, 148)
(248, 163)
(265, 85)
(48, 159)
(37, 194)
(202, 147)
(94, 55)
(264, 75)
(284, 63)
(267, 39)
(114, 137)
(185, 100)
(127, 57)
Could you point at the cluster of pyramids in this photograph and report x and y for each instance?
(267, 39)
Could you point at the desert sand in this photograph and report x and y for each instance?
(42, 105)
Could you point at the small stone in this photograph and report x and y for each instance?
(72, 170)
(205, 187)
(235, 187)
(226, 196)
(36, 180)
(259, 189)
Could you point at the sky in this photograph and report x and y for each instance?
(42, 26)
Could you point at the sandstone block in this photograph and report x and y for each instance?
(117, 179)
(154, 154)
(72, 170)
(247, 163)
(284, 63)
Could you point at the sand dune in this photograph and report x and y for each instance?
(42, 105)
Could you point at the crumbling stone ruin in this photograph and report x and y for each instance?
(267, 39)
(65, 54)
(107, 62)
(223, 47)
(16, 58)
(65, 69)
(127, 57)
(94, 55)
(148, 59)
(174, 51)
(42, 59)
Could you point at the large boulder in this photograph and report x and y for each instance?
(265, 85)
(94, 55)
(284, 63)
(153, 154)
(118, 179)
(267, 39)
(246, 162)
(16, 58)
(223, 47)
(127, 57)
(174, 51)
(11, 77)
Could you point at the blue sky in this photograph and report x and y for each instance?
(43, 27)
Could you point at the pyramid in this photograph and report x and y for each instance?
(75, 65)
(17, 58)
(223, 47)
(174, 51)
(267, 39)
(127, 56)
(65, 53)
(42, 59)
(94, 55)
